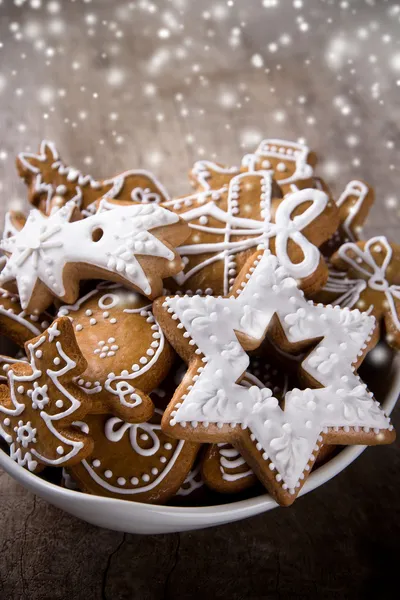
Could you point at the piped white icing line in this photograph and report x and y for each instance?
(114, 430)
(21, 316)
(73, 175)
(120, 384)
(192, 482)
(201, 172)
(230, 458)
(37, 395)
(363, 261)
(360, 191)
(257, 232)
(286, 437)
(45, 245)
(287, 151)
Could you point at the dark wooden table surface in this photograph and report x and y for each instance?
(120, 84)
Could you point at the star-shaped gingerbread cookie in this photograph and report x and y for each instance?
(52, 184)
(280, 444)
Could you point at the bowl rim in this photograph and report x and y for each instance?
(264, 501)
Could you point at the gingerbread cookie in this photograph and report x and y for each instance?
(125, 349)
(291, 164)
(279, 444)
(227, 225)
(131, 244)
(40, 402)
(366, 275)
(51, 184)
(133, 461)
(223, 468)
(354, 205)
(15, 323)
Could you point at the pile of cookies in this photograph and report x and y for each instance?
(210, 341)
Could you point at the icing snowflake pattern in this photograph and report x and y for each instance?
(110, 242)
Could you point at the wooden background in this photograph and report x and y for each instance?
(101, 81)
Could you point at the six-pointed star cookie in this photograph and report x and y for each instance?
(40, 402)
(280, 444)
(227, 225)
(366, 275)
(128, 244)
(52, 184)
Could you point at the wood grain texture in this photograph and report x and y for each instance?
(341, 541)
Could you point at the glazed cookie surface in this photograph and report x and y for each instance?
(131, 244)
(280, 444)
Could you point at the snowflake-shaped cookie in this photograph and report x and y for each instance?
(40, 402)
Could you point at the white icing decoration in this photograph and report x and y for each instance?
(81, 181)
(375, 276)
(257, 232)
(359, 190)
(19, 317)
(201, 172)
(230, 458)
(287, 437)
(120, 384)
(41, 250)
(192, 482)
(288, 151)
(39, 396)
(114, 430)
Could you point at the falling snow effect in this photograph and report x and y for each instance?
(79, 66)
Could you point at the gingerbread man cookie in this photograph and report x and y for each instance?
(366, 275)
(125, 348)
(227, 225)
(40, 402)
(291, 164)
(279, 444)
(131, 244)
(51, 184)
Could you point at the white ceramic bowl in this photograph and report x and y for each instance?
(134, 517)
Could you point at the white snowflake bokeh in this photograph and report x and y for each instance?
(127, 84)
